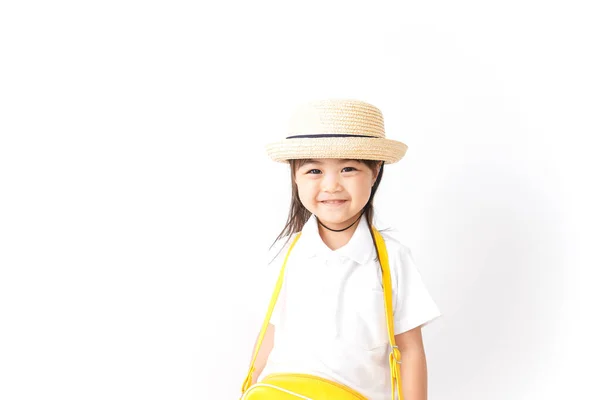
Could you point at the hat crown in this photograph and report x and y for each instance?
(337, 116)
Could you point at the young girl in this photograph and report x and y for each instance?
(329, 320)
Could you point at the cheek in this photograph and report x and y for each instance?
(361, 190)
(361, 199)
(306, 191)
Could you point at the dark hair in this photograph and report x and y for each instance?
(298, 214)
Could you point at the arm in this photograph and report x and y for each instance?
(413, 370)
(263, 353)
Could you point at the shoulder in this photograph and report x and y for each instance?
(273, 256)
(277, 251)
(399, 254)
(393, 240)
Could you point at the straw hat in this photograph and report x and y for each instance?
(337, 128)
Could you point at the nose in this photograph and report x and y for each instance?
(330, 183)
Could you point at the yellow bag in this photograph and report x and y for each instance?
(299, 386)
(288, 386)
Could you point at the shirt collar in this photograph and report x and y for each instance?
(359, 248)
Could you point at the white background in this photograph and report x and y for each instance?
(137, 202)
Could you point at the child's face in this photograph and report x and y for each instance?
(325, 179)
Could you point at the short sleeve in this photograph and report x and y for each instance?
(414, 304)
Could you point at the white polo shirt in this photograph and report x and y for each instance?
(330, 316)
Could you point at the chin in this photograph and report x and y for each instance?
(334, 218)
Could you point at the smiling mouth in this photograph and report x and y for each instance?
(334, 202)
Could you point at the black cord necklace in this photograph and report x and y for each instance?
(340, 230)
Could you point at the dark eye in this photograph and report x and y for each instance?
(351, 168)
(309, 172)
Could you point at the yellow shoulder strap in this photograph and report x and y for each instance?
(395, 356)
(265, 324)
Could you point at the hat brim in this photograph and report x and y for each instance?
(360, 148)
